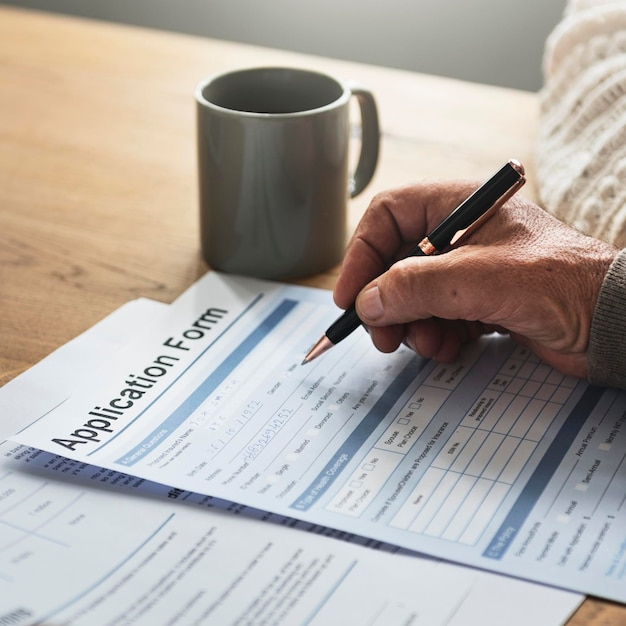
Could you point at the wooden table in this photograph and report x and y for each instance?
(98, 194)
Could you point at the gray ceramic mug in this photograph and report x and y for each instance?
(273, 169)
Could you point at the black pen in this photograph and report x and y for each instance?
(470, 214)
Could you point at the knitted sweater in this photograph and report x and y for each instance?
(581, 156)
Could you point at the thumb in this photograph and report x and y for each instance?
(455, 285)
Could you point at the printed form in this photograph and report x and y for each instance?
(496, 461)
(134, 552)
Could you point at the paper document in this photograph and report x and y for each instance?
(83, 545)
(496, 461)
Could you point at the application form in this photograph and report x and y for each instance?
(495, 461)
(84, 545)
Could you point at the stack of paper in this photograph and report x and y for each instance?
(164, 473)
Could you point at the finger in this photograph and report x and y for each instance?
(387, 338)
(462, 284)
(425, 337)
(449, 348)
(441, 339)
(393, 223)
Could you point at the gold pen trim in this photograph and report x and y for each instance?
(507, 195)
(426, 247)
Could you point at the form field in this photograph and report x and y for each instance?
(484, 456)
(511, 415)
(545, 391)
(484, 514)
(454, 448)
(472, 503)
(363, 485)
(526, 418)
(434, 503)
(418, 498)
(500, 459)
(453, 507)
(469, 451)
(543, 421)
(517, 462)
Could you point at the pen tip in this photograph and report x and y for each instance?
(323, 344)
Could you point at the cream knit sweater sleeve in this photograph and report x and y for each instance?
(581, 155)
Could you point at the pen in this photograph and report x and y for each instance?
(470, 214)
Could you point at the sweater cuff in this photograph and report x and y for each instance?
(606, 353)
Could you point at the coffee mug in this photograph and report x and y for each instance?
(273, 169)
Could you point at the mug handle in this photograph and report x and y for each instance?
(370, 139)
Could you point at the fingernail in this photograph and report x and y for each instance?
(370, 304)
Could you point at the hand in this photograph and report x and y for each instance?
(523, 272)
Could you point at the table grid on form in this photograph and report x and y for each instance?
(483, 457)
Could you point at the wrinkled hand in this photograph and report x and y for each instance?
(523, 272)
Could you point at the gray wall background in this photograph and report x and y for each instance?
(498, 42)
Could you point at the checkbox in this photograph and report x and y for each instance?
(604, 446)
(356, 484)
(368, 467)
(581, 487)
(404, 421)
